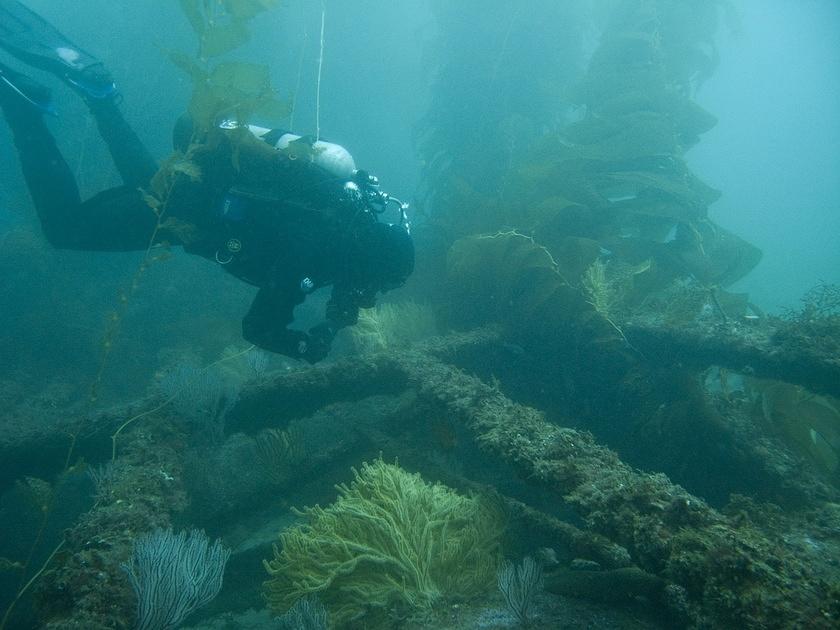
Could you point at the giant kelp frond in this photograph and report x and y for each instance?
(229, 89)
(233, 89)
(499, 109)
(222, 25)
(807, 422)
(238, 90)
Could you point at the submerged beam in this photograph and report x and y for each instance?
(720, 571)
(763, 350)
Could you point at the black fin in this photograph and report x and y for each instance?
(33, 40)
(14, 85)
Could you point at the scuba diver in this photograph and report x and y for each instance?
(286, 221)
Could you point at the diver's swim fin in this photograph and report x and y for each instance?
(33, 40)
(14, 85)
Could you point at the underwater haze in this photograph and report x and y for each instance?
(499, 315)
(776, 149)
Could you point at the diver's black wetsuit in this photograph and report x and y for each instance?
(283, 225)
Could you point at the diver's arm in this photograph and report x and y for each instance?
(343, 307)
(266, 324)
(342, 311)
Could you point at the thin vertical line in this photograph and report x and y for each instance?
(320, 67)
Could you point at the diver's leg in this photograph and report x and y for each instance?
(114, 220)
(134, 163)
(50, 182)
(33, 40)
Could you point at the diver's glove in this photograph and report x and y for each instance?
(299, 345)
(311, 347)
(319, 340)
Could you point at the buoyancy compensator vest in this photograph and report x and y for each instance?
(335, 196)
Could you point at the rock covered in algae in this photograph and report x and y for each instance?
(391, 544)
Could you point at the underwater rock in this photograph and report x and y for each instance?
(86, 587)
(581, 564)
(612, 585)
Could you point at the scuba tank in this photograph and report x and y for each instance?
(360, 189)
(333, 158)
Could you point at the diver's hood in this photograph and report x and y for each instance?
(333, 158)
